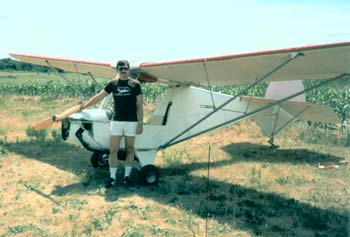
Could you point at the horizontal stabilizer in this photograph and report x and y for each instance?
(280, 116)
(312, 112)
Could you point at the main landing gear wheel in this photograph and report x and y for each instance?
(99, 160)
(149, 174)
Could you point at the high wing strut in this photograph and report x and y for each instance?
(292, 56)
(172, 142)
(59, 74)
(94, 80)
(210, 88)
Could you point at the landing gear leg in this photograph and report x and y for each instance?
(273, 145)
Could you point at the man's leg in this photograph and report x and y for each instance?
(113, 158)
(130, 149)
(130, 155)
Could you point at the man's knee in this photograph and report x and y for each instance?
(130, 149)
(112, 153)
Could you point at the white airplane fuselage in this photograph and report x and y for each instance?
(176, 117)
(179, 108)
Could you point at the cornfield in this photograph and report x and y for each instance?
(336, 95)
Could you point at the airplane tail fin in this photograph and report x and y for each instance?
(275, 119)
(279, 117)
(281, 89)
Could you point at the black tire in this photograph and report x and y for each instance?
(99, 160)
(149, 175)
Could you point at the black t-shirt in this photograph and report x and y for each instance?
(124, 96)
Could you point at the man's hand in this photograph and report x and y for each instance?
(139, 128)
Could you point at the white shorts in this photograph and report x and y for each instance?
(123, 128)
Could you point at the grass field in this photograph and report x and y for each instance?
(48, 187)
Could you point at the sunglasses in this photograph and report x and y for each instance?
(122, 69)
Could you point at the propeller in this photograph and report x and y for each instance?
(49, 121)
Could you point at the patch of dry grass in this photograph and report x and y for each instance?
(48, 188)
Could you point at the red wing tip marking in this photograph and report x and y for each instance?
(59, 59)
(264, 52)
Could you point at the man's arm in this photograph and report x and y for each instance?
(94, 100)
(139, 106)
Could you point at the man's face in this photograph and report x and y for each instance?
(123, 71)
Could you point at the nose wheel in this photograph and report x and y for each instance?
(99, 160)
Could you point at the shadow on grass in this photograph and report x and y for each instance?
(264, 213)
(62, 155)
(260, 153)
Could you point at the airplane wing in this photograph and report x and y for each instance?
(317, 62)
(72, 65)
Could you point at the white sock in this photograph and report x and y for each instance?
(127, 170)
(113, 172)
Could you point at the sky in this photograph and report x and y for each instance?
(160, 30)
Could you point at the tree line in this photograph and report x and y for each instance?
(7, 64)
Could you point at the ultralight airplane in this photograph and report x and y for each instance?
(187, 110)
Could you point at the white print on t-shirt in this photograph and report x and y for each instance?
(123, 91)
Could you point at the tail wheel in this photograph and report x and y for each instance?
(99, 160)
(149, 174)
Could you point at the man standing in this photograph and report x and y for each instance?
(127, 119)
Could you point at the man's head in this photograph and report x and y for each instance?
(123, 68)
